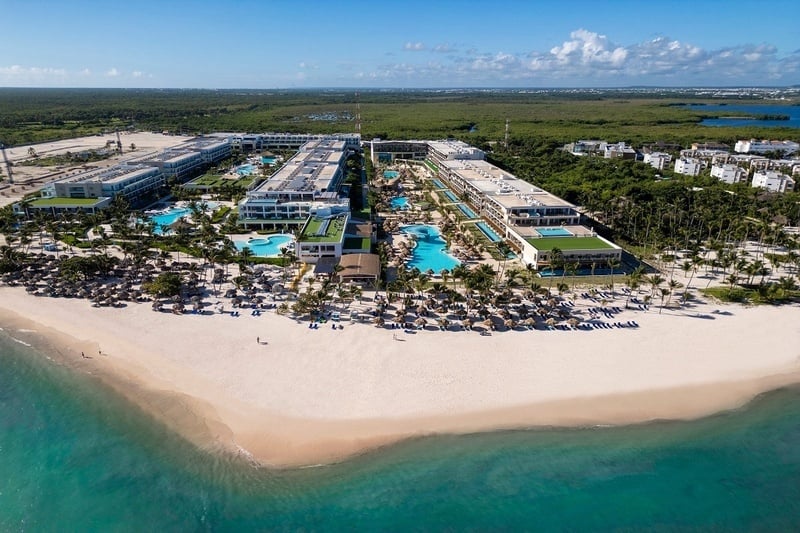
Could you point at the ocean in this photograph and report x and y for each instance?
(74, 456)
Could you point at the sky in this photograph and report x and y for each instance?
(264, 44)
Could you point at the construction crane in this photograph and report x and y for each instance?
(8, 164)
(119, 143)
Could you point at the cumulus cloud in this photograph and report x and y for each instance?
(112, 72)
(16, 75)
(137, 73)
(414, 47)
(588, 58)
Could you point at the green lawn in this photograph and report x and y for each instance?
(570, 243)
(361, 243)
(333, 233)
(57, 202)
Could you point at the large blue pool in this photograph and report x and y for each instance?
(171, 214)
(469, 213)
(269, 246)
(399, 202)
(268, 160)
(554, 232)
(390, 174)
(488, 231)
(430, 252)
(246, 170)
(450, 195)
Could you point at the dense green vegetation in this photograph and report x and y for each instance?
(35, 115)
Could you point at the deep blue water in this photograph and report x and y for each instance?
(75, 457)
(793, 112)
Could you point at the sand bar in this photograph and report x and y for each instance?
(306, 396)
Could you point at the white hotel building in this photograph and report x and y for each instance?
(132, 181)
(306, 184)
(773, 181)
(754, 146)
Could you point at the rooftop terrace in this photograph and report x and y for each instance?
(570, 243)
(324, 229)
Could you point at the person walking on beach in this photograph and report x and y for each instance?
(258, 340)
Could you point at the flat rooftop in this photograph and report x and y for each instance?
(67, 202)
(313, 168)
(110, 175)
(570, 243)
(501, 186)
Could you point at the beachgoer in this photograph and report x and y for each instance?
(83, 355)
(258, 340)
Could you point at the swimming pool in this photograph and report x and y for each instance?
(268, 160)
(469, 213)
(399, 202)
(450, 195)
(554, 232)
(488, 231)
(246, 170)
(429, 252)
(171, 214)
(269, 246)
(438, 184)
(390, 174)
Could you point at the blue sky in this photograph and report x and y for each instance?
(400, 44)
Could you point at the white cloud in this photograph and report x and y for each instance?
(112, 72)
(587, 58)
(414, 47)
(85, 72)
(17, 75)
(137, 73)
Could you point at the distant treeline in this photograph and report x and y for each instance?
(477, 116)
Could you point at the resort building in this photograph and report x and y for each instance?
(619, 150)
(249, 142)
(729, 173)
(131, 181)
(657, 160)
(773, 181)
(585, 147)
(452, 150)
(388, 151)
(754, 146)
(322, 236)
(577, 245)
(189, 159)
(306, 183)
(688, 167)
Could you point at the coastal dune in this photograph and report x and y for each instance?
(274, 390)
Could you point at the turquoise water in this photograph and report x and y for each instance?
(430, 251)
(469, 213)
(173, 213)
(268, 160)
(76, 458)
(246, 170)
(399, 202)
(488, 231)
(265, 246)
(554, 232)
(438, 184)
(389, 174)
(452, 197)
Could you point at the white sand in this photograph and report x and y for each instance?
(317, 395)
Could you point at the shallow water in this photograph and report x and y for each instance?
(74, 456)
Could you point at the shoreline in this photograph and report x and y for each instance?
(309, 397)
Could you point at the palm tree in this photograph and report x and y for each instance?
(613, 263)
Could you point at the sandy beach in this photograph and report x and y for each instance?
(305, 396)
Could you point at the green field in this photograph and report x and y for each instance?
(569, 243)
(58, 202)
(362, 243)
(333, 232)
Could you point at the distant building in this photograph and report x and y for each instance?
(452, 150)
(131, 181)
(773, 181)
(619, 150)
(688, 166)
(754, 146)
(658, 160)
(387, 151)
(729, 173)
(585, 147)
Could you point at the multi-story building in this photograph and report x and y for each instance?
(388, 151)
(773, 181)
(619, 150)
(688, 167)
(658, 160)
(754, 146)
(307, 182)
(451, 150)
(585, 147)
(189, 159)
(729, 173)
(131, 181)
